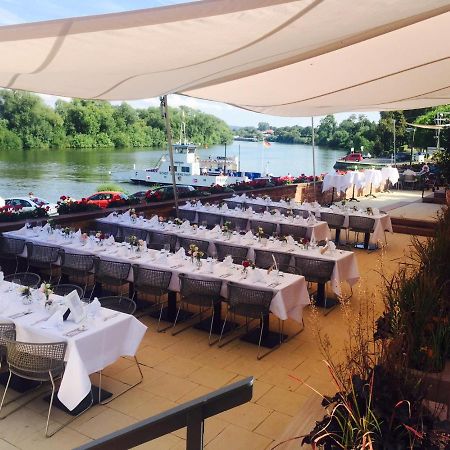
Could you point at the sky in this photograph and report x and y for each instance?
(21, 11)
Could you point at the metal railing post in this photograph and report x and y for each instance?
(195, 426)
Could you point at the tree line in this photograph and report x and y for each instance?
(27, 122)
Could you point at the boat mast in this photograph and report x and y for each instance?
(165, 113)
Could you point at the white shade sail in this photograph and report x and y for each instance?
(291, 58)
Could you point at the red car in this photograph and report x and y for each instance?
(356, 157)
(104, 198)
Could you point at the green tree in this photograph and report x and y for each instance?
(263, 126)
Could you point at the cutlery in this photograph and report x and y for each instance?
(39, 321)
(75, 331)
(111, 316)
(225, 275)
(274, 284)
(177, 266)
(21, 314)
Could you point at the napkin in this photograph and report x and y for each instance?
(331, 246)
(110, 215)
(94, 307)
(248, 235)
(375, 211)
(249, 209)
(254, 275)
(111, 240)
(228, 260)
(2, 277)
(22, 230)
(216, 229)
(162, 258)
(78, 233)
(185, 225)
(224, 206)
(154, 220)
(54, 321)
(311, 220)
(290, 240)
(181, 253)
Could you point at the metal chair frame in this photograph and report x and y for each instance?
(65, 289)
(264, 259)
(185, 242)
(30, 279)
(157, 240)
(42, 257)
(111, 273)
(241, 222)
(335, 222)
(76, 264)
(296, 231)
(11, 248)
(238, 253)
(211, 219)
(188, 214)
(126, 232)
(201, 293)
(268, 227)
(360, 224)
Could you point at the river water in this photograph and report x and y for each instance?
(52, 173)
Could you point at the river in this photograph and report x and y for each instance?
(52, 173)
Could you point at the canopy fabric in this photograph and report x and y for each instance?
(429, 127)
(281, 57)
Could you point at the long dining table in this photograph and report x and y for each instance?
(290, 294)
(92, 345)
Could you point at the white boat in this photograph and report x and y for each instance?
(189, 170)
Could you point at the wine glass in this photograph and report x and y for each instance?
(167, 248)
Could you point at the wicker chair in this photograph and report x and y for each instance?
(264, 259)
(281, 210)
(65, 289)
(237, 222)
(127, 306)
(32, 280)
(80, 267)
(111, 273)
(301, 213)
(361, 224)
(335, 222)
(159, 240)
(317, 271)
(202, 293)
(7, 332)
(296, 231)
(151, 282)
(202, 245)
(112, 229)
(210, 219)
(43, 257)
(188, 214)
(253, 304)
(126, 232)
(11, 249)
(238, 253)
(269, 228)
(37, 362)
(234, 205)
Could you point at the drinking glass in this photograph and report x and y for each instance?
(204, 224)
(167, 248)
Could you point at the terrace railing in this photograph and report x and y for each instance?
(191, 415)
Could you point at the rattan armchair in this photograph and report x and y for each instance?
(253, 304)
(127, 306)
(43, 257)
(113, 229)
(204, 294)
(240, 223)
(238, 253)
(11, 249)
(361, 224)
(211, 220)
(151, 282)
(317, 271)
(111, 273)
(185, 242)
(7, 332)
(30, 279)
(234, 205)
(159, 240)
(269, 228)
(335, 222)
(126, 232)
(41, 362)
(296, 231)
(301, 213)
(79, 267)
(188, 214)
(264, 259)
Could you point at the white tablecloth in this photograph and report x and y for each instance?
(90, 351)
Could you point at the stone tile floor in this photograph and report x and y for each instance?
(179, 368)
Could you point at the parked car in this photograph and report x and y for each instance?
(166, 192)
(28, 204)
(355, 157)
(140, 195)
(105, 198)
(402, 157)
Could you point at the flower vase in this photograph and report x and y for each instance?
(244, 273)
(198, 263)
(26, 300)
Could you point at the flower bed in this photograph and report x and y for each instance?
(67, 205)
(15, 213)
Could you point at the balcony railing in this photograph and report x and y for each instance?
(191, 415)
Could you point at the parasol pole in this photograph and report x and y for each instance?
(313, 156)
(165, 113)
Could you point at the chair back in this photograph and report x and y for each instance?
(264, 259)
(36, 361)
(43, 254)
(126, 232)
(268, 227)
(361, 224)
(151, 277)
(11, 246)
(249, 301)
(77, 262)
(211, 219)
(333, 220)
(237, 222)
(7, 333)
(238, 253)
(120, 304)
(202, 245)
(258, 208)
(158, 240)
(314, 270)
(296, 231)
(111, 269)
(32, 280)
(187, 214)
(108, 228)
(200, 288)
(280, 209)
(233, 205)
(65, 289)
(301, 212)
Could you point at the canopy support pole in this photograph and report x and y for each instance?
(313, 156)
(165, 113)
